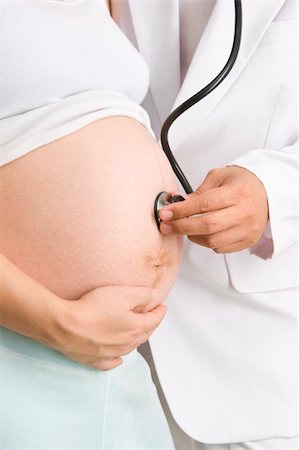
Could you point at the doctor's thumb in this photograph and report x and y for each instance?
(213, 179)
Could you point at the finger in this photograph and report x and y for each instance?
(198, 203)
(227, 248)
(99, 363)
(149, 321)
(233, 247)
(126, 348)
(139, 298)
(107, 364)
(202, 225)
(221, 239)
(142, 339)
(213, 179)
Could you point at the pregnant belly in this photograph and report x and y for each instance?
(78, 213)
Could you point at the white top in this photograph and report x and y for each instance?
(60, 62)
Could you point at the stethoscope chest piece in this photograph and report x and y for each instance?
(164, 199)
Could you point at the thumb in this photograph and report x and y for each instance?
(140, 298)
(214, 179)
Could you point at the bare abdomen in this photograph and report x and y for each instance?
(78, 213)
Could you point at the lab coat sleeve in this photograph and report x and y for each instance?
(278, 171)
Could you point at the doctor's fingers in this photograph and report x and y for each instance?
(232, 240)
(237, 246)
(202, 224)
(198, 203)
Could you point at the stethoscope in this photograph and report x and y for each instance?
(165, 198)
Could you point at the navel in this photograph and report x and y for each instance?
(158, 262)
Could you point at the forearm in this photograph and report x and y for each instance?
(27, 307)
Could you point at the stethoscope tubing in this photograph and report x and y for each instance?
(199, 96)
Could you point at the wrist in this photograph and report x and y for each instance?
(30, 309)
(56, 315)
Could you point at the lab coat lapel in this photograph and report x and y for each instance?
(156, 26)
(212, 53)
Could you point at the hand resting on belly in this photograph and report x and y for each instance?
(78, 212)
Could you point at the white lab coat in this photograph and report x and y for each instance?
(226, 352)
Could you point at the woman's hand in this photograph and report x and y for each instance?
(227, 213)
(106, 323)
(96, 330)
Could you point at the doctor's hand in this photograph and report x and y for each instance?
(107, 323)
(228, 212)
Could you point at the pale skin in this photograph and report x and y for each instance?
(228, 212)
(74, 275)
(95, 330)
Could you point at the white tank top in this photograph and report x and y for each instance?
(50, 50)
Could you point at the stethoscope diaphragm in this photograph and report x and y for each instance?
(163, 199)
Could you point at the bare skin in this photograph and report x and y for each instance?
(127, 317)
(70, 222)
(228, 212)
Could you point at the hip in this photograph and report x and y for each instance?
(52, 402)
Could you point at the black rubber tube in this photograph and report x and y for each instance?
(199, 96)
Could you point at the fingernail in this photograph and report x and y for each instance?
(166, 214)
(165, 229)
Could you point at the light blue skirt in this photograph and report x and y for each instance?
(50, 402)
